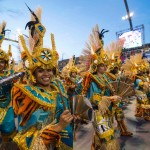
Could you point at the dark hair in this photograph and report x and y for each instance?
(72, 72)
(99, 65)
(114, 70)
(54, 70)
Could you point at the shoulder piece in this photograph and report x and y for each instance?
(88, 79)
(111, 76)
(44, 98)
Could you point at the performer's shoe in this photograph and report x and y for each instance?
(139, 112)
(138, 115)
(124, 130)
(147, 118)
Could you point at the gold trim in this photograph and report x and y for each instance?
(52, 96)
(20, 138)
(63, 146)
(3, 112)
(97, 80)
(96, 98)
(112, 76)
(107, 134)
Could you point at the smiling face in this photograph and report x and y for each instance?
(43, 76)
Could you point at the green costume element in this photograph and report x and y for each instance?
(7, 121)
(36, 110)
(98, 94)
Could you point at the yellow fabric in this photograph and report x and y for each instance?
(20, 138)
(106, 135)
(96, 98)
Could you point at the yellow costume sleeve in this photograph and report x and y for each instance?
(103, 102)
(141, 84)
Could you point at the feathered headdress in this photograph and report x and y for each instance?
(3, 55)
(41, 57)
(113, 52)
(35, 29)
(94, 53)
(2, 32)
(70, 67)
(44, 57)
(135, 64)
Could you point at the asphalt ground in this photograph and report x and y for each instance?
(139, 127)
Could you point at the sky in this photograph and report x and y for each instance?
(71, 21)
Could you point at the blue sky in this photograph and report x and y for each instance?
(71, 21)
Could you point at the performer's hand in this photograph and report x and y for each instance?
(77, 119)
(115, 98)
(132, 84)
(65, 119)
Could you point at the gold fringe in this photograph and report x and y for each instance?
(64, 147)
(97, 144)
(112, 145)
(51, 95)
(38, 144)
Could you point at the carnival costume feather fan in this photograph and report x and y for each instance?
(82, 107)
(122, 89)
(126, 79)
(93, 49)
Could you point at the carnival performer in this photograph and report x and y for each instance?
(113, 52)
(42, 109)
(136, 67)
(73, 81)
(7, 122)
(97, 90)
